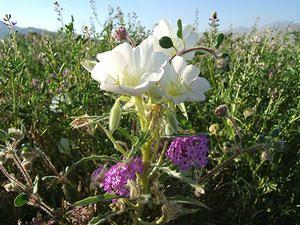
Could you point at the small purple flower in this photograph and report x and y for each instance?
(121, 34)
(115, 181)
(188, 152)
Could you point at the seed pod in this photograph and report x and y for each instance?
(115, 116)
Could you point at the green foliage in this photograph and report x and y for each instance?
(166, 42)
(21, 200)
(43, 86)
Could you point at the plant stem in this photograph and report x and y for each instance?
(21, 168)
(229, 160)
(198, 48)
(11, 178)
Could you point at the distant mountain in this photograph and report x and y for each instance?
(276, 26)
(4, 30)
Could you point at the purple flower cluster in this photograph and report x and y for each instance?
(121, 34)
(187, 152)
(116, 177)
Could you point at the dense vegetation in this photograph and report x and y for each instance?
(43, 87)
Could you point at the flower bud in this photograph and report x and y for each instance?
(199, 191)
(121, 34)
(221, 111)
(266, 155)
(115, 116)
(213, 129)
(214, 15)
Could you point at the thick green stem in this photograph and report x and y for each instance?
(141, 111)
(146, 166)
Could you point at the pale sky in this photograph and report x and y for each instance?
(41, 14)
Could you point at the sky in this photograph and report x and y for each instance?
(232, 13)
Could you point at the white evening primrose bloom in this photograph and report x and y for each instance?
(190, 38)
(181, 82)
(129, 70)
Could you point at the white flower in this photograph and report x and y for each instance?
(181, 83)
(190, 37)
(128, 70)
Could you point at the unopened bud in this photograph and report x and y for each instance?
(214, 15)
(221, 111)
(115, 116)
(121, 34)
(213, 129)
(266, 155)
(199, 191)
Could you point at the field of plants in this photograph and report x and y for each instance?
(61, 135)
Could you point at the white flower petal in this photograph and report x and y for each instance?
(179, 64)
(127, 70)
(137, 90)
(99, 72)
(201, 84)
(190, 73)
(162, 29)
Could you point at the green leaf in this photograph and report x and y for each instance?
(166, 42)
(224, 55)
(219, 40)
(179, 32)
(117, 146)
(89, 158)
(21, 200)
(94, 199)
(177, 175)
(88, 65)
(142, 139)
(3, 135)
(183, 110)
(188, 200)
(102, 218)
(186, 211)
